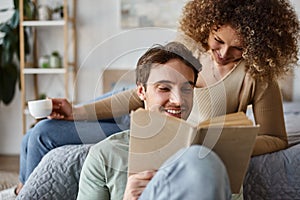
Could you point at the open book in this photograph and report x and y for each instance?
(154, 137)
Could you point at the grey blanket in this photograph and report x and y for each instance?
(274, 176)
(57, 175)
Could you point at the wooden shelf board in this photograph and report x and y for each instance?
(44, 23)
(44, 70)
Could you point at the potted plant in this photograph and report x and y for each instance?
(58, 12)
(55, 60)
(9, 51)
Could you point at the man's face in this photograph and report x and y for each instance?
(169, 89)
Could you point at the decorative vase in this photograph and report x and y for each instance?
(44, 62)
(44, 12)
(55, 60)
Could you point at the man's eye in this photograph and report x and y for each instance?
(187, 89)
(164, 89)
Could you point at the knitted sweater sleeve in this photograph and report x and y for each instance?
(117, 105)
(268, 113)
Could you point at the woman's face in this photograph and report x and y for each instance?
(225, 45)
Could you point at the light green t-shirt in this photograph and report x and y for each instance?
(104, 172)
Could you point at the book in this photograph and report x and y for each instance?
(154, 137)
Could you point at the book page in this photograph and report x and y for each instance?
(233, 119)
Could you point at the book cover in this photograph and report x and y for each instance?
(154, 137)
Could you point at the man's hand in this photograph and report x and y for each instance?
(62, 109)
(136, 184)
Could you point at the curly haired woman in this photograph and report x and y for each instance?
(249, 44)
(244, 46)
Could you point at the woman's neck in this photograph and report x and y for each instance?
(212, 72)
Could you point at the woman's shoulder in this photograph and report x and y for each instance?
(256, 81)
(258, 88)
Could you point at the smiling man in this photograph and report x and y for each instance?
(165, 77)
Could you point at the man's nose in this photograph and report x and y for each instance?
(176, 97)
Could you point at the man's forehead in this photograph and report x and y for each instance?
(174, 70)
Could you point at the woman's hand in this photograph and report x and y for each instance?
(136, 184)
(62, 109)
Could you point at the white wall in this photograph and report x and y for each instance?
(101, 44)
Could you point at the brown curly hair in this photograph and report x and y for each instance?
(269, 30)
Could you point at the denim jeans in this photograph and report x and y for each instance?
(49, 134)
(194, 173)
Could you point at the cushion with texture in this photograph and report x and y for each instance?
(57, 175)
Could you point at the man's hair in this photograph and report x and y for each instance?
(159, 54)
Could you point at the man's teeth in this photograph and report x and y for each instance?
(174, 111)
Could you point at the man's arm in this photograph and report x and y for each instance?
(92, 181)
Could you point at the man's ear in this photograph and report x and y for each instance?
(141, 91)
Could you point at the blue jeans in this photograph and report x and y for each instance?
(49, 134)
(194, 173)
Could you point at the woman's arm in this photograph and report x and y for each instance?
(268, 113)
(114, 106)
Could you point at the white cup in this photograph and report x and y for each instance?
(40, 108)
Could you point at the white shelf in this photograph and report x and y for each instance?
(44, 23)
(44, 70)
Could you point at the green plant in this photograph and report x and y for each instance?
(42, 96)
(55, 53)
(9, 51)
(60, 10)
